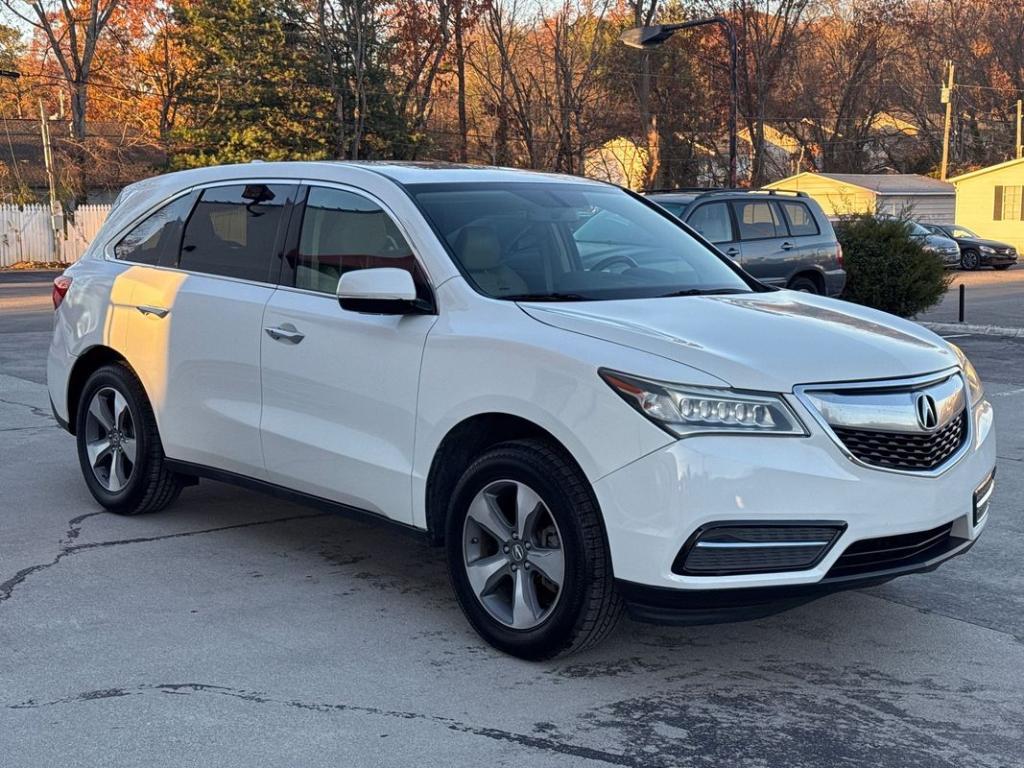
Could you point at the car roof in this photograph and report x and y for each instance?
(400, 172)
(689, 195)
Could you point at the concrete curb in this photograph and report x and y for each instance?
(981, 330)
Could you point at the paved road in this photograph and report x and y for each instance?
(237, 630)
(991, 298)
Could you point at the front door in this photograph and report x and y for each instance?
(340, 387)
(714, 223)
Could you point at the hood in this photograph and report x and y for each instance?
(766, 341)
(980, 241)
(941, 242)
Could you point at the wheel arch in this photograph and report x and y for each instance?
(84, 366)
(814, 274)
(461, 445)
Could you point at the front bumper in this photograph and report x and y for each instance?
(997, 259)
(658, 605)
(652, 506)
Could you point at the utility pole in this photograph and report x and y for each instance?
(947, 99)
(56, 214)
(1020, 124)
(650, 37)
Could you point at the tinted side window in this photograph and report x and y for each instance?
(758, 219)
(712, 221)
(233, 231)
(156, 237)
(801, 221)
(343, 231)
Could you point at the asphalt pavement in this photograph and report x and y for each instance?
(990, 298)
(238, 630)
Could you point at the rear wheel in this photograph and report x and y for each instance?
(804, 285)
(527, 555)
(119, 447)
(970, 260)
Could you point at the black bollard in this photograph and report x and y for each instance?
(962, 294)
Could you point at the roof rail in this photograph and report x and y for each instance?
(706, 191)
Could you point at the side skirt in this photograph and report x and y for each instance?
(189, 469)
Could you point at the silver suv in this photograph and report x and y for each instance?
(781, 238)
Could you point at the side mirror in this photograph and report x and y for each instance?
(381, 291)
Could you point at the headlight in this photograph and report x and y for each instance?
(973, 379)
(986, 249)
(683, 411)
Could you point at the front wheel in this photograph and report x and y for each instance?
(119, 447)
(970, 260)
(527, 555)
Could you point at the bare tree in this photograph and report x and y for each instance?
(73, 29)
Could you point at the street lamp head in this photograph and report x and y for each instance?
(646, 37)
(9, 73)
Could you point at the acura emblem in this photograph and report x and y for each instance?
(927, 413)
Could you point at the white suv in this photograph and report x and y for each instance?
(569, 389)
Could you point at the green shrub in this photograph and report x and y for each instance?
(888, 269)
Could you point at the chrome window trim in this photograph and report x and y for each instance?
(801, 393)
(108, 247)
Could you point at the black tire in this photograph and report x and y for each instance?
(1001, 267)
(588, 606)
(804, 284)
(970, 260)
(150, 486)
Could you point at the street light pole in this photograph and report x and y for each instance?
(653, 36)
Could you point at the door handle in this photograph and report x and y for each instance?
(733, 252)
(287, 333)
(155, 311)
(787, 246)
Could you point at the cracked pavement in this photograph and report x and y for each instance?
(237, 629)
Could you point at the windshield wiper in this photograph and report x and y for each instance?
(545, 297)
(701, 292)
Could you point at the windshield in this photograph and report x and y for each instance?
(963, 232)
(917, 229)
(568, 242)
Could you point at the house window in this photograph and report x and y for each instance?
(1008, 204)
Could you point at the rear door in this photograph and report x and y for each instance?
(768, 254)
(713, 221)
(339, 386)
(812, 247)
(195, 334)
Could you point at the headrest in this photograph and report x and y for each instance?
(478, 248)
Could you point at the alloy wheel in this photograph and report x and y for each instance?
(110, 439)
(512, 553)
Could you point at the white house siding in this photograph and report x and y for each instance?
(931, 209)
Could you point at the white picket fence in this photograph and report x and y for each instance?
(26, 233)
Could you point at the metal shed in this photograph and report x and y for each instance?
(920, 197)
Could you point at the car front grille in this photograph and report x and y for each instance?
(904, 450)
(887, 552)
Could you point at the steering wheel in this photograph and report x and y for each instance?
(610, 260)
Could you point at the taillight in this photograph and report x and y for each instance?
(60, 289)
(839, 253)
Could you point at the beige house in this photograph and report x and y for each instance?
(989, 201)
(840, 194)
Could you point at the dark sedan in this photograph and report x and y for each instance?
(976, 251)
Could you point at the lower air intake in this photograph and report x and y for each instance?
(868, 555)
(732, 549)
